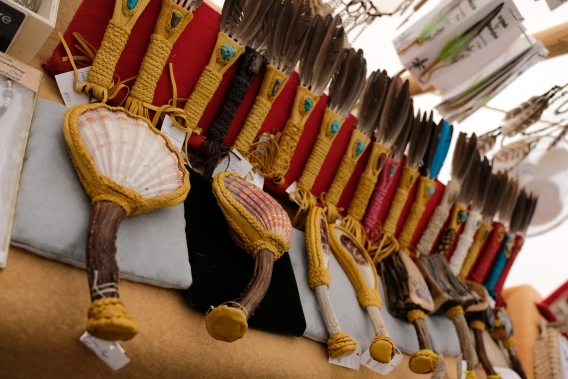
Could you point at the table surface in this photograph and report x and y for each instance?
(43, 307)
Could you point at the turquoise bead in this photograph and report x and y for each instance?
(228, 52)
(463, 216)
(430, 191)
(308, 105)
(335, 125)
(131, 3)
(359, 148)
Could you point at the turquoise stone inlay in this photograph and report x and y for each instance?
(308, 105)
(228, 52)
(463, 216)
(430, 191)
(335, 125)
(359, 148)
(131, 4)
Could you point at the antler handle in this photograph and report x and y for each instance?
(456, 315)
(478, 327)
(425, 360)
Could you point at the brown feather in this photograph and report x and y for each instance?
(558, 138)
(482, 186)
(417, 145)
(509, 156)
(255, 35)
(397, 115)
(347, 83)
(227, 15)
(529, 214)
(469, 183)
(517, 218)
(509, 198)
(433, 140)
(495, 194)
(371, 100)
(526, 116)
(403, 138)
(460, 168)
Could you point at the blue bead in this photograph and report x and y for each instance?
(335, 125)
(359, 148)
(228, 52)
(308, 105)
(131, 4)
(463, 216)
(431, 190)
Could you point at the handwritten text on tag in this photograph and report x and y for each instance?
(176, 136)
(67, 87)
(380, 368)
(110, 352)
(352, 361)
(234, 162)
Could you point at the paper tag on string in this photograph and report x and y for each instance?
(234, 162)
(553, 4)
(352, 361)
(506, 373)
(109, 352)
(255, 178)
(462, 368)
(378, 367)
(176, 136)
(292, 187)
(67, 88)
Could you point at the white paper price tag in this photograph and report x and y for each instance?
(234, 162)
(352, 361)
(292, 187)
(380, 368)
(256, 179)
(67, 88)
(506, 373)
(463, 368)
(176, 136)
(109, 352)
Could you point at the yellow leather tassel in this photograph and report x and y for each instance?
(477, 325)
(364, 191)
(100, 77)
(161, 44)
(304, 103)
(426, 188)
(357, 145)
(109, 320)
(458, 216)
(211, 77)
(272, 84)
(330, 126)
(475, 248)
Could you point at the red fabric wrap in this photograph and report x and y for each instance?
(189, 56)
(519, 241)
(485, 260)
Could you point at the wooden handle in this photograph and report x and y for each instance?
(258, 285)
(326, 309)
(481, 353)
(516, 364)
(101, 248)
(424, 341)
(465, 340)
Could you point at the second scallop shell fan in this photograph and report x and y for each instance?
(261, 227)
(127, 167)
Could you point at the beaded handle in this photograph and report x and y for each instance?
(518, 244)
(304, 103)
(458, 216)
(488, 253)
(473, 253)
(407, 180)
(439, 217)
(499, 263)
(426, 188)
(225, 54)
(272, 84)
(466, 239)
(172, 21)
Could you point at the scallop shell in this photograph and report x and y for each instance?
(124, 149)
(267, 211)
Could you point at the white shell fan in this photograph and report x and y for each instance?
(545, 173)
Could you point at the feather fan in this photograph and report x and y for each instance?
(395, 112)
(403, 138)
(495, 193)
(508, 204)
(482, 186)
(347, 82)
(469, 183)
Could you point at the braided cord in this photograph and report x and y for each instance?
(518, 244)
(407, 180)
(474, 250)
(318, 273)
(238, 89)
(498, 265)
(426, 188)
(466, 239)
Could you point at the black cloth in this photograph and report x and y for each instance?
(221, 270)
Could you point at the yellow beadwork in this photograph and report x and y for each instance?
(99, 187)
(416, 314)
(109, 320)
(250, 231)
(424, 192)
(318, 273)
(496, 376)
(475, 248)
(454, 224)
(365, 295)
(477, 325)
(382, 349)
(470, 374)
(292, 133)
(423, 362)
(209, 80)
(509, 342)
(340, 345)
(454, 311)
(261, 108)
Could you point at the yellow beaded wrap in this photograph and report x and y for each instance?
(454, 311)
(470, 374)
(364, 191)
(426, 188)
(388, 243)
(509, 342)
(109, 320)
(423, 362)
(318, 274)
(210, 79)
(161, 43)
(475, 248)
(357, 145)
(269, 92)
(453, 227)
(416, 314)
(365, 295)
(330, 126)
(496, 376)
(477, 325)
(340, 344)
(101, 188)
(100, 77)
(304, 103)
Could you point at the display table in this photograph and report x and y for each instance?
(43, 312)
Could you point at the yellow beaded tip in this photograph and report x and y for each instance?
(470, 374)
(340, 345)
(109, 320)
(423, 362)
(496, 376)
(382, 349)
(509, 342)
(226, 323)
